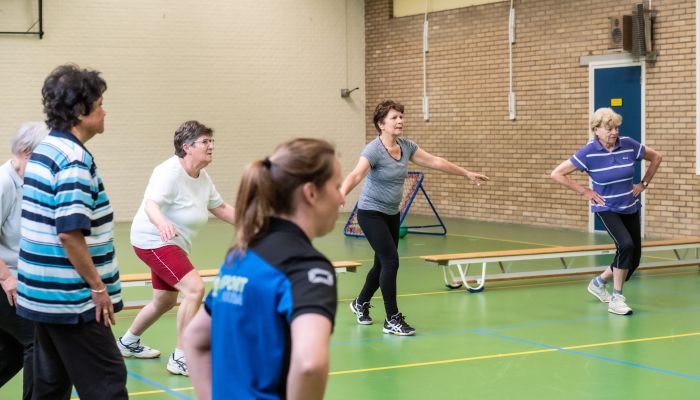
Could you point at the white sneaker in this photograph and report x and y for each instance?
(136, 350)
(599, 291)
(177, 366)
(618, 306)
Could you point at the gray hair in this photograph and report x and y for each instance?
(28, 136)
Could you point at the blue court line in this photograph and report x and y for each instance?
(589, 355)
(159, 386)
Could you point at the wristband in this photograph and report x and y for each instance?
(104, 289)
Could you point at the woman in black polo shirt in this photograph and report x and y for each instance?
(266, 326)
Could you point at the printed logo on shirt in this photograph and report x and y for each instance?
(229, 288)
(318, 275)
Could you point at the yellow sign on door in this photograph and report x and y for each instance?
(615, 102)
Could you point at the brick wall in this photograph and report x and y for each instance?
(468, 89)
(258, 72)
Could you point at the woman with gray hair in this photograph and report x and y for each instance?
(176, 205)
(16, 333)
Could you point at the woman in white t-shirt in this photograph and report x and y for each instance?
(176, 205)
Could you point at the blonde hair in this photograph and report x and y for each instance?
(267, 185)
(605, 117)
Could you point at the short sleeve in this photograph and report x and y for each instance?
(370, 153)
(313, 288)
(579, 159)
(215, 199)
(638, 148)
(5, 199)
(410, 147)
(161, 188)
(76, 193)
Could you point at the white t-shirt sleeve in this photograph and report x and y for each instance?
(215, 198)
(161, 188)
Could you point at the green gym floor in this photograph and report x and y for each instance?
(539, 339)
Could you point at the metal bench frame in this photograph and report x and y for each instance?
(462, 262)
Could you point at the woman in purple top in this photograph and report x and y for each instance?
(384, 162)
(609, 160)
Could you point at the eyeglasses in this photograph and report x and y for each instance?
(205, 142)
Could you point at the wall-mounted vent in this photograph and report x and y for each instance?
(620, 32)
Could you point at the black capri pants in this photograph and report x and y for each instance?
(626, 232)
(382, 233)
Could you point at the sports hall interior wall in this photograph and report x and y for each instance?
(257, 72)
(468, 89)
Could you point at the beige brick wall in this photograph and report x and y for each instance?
(468, 89)
(258, 72)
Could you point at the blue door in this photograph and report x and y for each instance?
(620, 88)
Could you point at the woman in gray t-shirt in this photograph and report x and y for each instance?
(384, 162)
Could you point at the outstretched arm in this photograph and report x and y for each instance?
(356, 176)
(425, 159)
(560, 174)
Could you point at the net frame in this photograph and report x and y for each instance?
(413, 183)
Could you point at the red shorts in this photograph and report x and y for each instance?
(168, 264)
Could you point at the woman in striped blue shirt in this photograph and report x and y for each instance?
(609, 160)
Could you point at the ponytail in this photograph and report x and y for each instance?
(267, 186)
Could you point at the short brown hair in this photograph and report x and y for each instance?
(187, 133)
(382, 111)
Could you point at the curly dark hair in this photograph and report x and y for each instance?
(68, 93)
(382, 111)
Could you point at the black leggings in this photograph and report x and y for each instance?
(382, 232)
(626, 231)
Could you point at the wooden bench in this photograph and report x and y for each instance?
(144, 279)
(462, 261)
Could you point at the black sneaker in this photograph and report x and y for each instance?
(362, 312)
(397, 325)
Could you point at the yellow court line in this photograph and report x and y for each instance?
(505, 355)
(474, 358)
(505, 240)
(158, 391)
(491, 356)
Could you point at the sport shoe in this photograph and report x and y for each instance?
(362, 312)
(618, 306)
(599, 291)
(397, 325)
(177, 366)
(136, 350)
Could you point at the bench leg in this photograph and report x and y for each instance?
(464, 272)
(449, 278)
